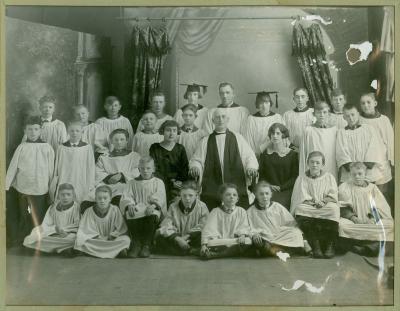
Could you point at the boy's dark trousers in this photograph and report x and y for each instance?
(143, 229)
(27, 221)
(170, 246)
(324, 230)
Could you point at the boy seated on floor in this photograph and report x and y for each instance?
(57, 232)
(315, 206)
(273, 228)
(143, 203)
(180, 231)
(102, 231)
(227, 230)
(365, 215)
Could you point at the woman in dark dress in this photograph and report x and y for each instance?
(170, 159)
(279, 165)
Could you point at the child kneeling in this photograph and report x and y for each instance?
(57, 233)
(273, 228)
(180, 231)
(226, 232)
(143, 203)
(366, 219)
(102, 231)
(315, 206)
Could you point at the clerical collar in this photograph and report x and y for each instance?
(320, 126)
(258, 114)
(301, 110)
(371, 116)
(259, 207)
(37, 141)
(184, 209)
(219, 133)
(353, 127)
(119, 153)
(69, 144)
(64, 207)
(189, 129)
(234, 105)
(228, 210)
(97, 211)
(308, 174)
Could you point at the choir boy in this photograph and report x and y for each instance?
(315, 206)
(143, 204)
(102, 230)
(338, 100)
(57, 232)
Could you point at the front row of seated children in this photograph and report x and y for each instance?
(357, 213)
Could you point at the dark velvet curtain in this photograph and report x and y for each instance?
(308, 48)
(144, 55)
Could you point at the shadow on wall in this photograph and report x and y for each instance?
(39, 59)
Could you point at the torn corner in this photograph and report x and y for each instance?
(324, 21)
(374, 84)
(358, 52)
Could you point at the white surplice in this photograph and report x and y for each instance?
(296, 122)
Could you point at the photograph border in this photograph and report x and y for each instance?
(169, 3)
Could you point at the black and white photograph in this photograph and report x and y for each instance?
(199, 155)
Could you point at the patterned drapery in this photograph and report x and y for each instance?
(144, 54)
(308, 48)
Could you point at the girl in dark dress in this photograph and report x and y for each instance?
(170, 159)
(279, 165)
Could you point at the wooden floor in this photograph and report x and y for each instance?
(167, 280)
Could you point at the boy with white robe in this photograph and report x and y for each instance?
(258, 124)
(53, 130)
(319, 136)
(190, 135)
(360, 143)
(74, 165)
(338, 100)
(315, 206)
(273, 228)
(365, 215)
(119, 167)
(227, 225)
(237, 115)
(221, 157)
(143, 140)
(180, 231)
(57, 232)
(29, 173)
(299, 118)
(370, 115)
(92, 133)
(157, 105)
(147, 193)
(192, 95)
(102, 230)
(114, 120)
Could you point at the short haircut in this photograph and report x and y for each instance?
(222, 189)
(104, 188)
(48, 98)
(302, 88)
(32, 120)
(110, 100)
(260, 97)
(370, 94)
(319, 105)
(284, 130)
(66, 186)
(157, 93)
(147, 112)
(337, 92)
(190, 107)
(77, 107)
(262, 184)
(74, 122)
(190, 184)
(314, 154)
(145, 160)
(350, 106)
(358, 166)
(119, 131)
(169, 123)
(223, 84)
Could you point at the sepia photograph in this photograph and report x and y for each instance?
(199, 155)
